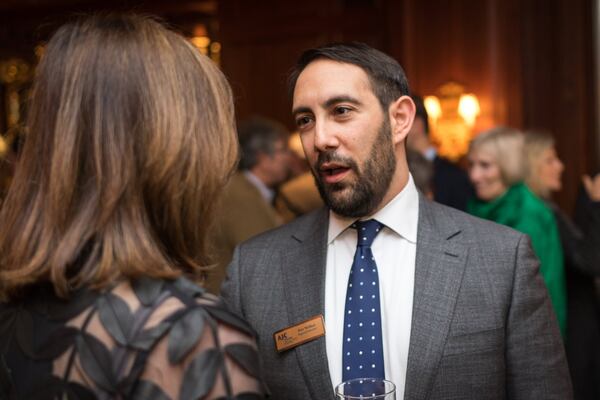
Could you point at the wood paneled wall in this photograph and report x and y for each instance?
(530, 63)
(262, 40)
(558, 83)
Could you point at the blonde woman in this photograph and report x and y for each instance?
(130, 136)
(496, 166)
(581, 243)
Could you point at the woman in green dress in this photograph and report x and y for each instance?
(496, 170)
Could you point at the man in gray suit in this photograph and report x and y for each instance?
(455, 304)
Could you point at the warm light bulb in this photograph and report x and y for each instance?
(433, 107)
(3, 146)
(468, 108)
(201, 42)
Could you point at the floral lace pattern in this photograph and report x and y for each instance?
(97, 345)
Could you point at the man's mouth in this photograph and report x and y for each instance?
(333, 172)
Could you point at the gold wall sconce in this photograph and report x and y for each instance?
(15, 76)
(14, 73)
(202, 41)
(452, 116)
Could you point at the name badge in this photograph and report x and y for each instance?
(298, 334)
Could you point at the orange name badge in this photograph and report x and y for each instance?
(298, 334)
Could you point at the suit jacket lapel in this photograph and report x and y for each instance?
(440, 263)
(304, 280)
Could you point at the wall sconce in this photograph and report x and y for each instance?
(15, 76)
(203, 42)
(452, 115)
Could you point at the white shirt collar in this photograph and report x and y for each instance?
(401, 215)
(430, 153)
(265, 192)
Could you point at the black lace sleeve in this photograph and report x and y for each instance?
(150, 339)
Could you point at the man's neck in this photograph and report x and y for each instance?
(398, 183)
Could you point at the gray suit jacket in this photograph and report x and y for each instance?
(482, 324)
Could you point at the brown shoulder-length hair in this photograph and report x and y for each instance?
(131, 135)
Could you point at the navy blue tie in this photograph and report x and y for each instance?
(363, 345)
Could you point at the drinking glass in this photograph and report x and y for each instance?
(366, 388)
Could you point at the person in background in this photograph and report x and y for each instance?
(496, 169)
(131, 136)
(246, 208)
(299, 195)
(581, 247)
(421, 170)
(450, 184)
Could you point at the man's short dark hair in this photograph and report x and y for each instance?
(259, 135)
(421, 111)
(386, 76)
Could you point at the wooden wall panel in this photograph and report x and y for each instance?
(258, 75)
(558, 83)
(262, 41)
(469, 42)
(472, 42)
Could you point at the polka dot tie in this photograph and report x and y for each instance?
(363, 349)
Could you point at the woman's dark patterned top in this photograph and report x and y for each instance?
(149, 339)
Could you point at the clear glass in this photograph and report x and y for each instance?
(366, 388)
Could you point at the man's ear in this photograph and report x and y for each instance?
(401, 113)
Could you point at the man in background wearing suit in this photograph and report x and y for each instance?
(246, 208)
(451, 185)
(444, 305)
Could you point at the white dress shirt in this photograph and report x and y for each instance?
(394, 250)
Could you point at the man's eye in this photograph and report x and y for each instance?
(340, 110)
(303, 121)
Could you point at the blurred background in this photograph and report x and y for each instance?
(478, 63)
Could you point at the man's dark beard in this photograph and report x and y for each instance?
(371, 184)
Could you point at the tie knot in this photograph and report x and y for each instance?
(367, 231)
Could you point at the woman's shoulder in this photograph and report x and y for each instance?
(535, 207)
(206, 348)
(536, 219)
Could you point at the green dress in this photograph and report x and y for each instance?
(520, 209)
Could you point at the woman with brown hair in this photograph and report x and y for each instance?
(130, 137)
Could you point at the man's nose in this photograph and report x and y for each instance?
(326, 137)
